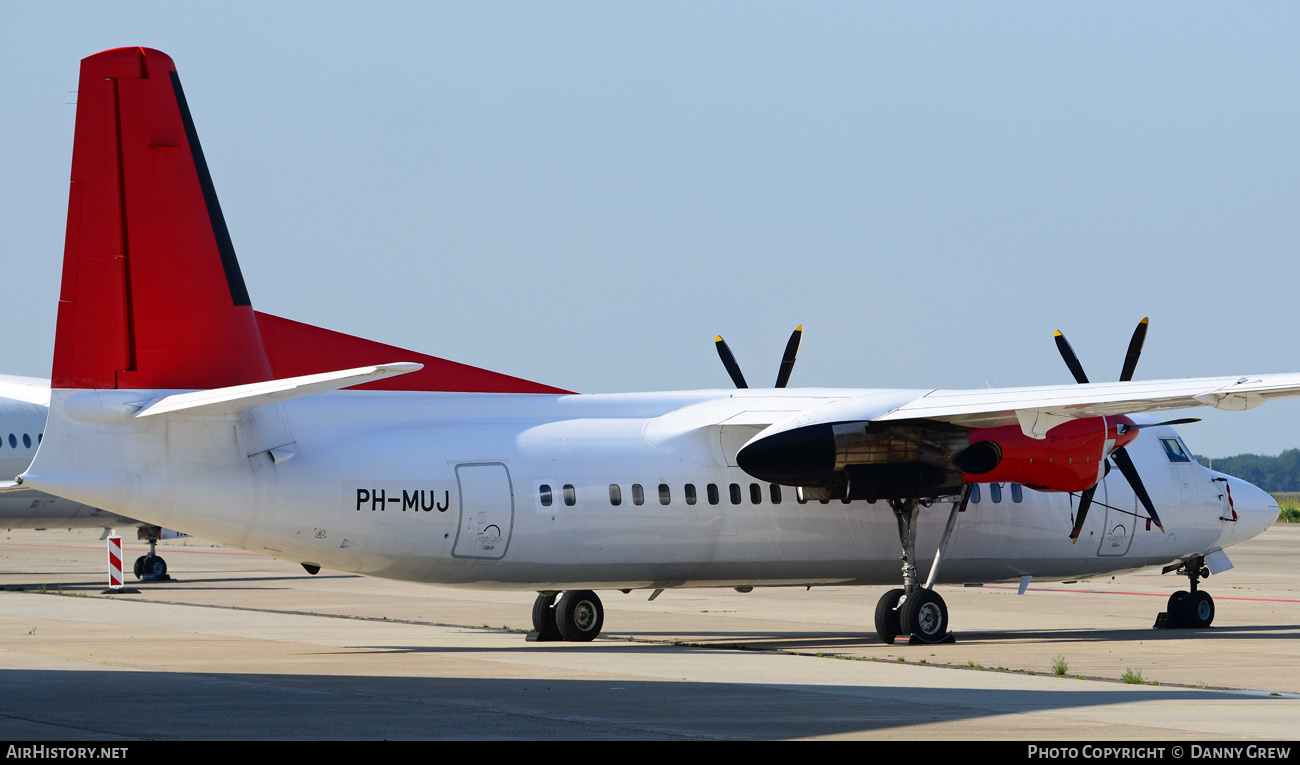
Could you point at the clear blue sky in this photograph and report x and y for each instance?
(585, 193)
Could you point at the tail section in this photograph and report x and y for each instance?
(152, 293)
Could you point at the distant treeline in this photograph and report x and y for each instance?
(1280, 473)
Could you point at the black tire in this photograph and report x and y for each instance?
(1176, 610)
(579, 615)
(139, 567)
(925, 615)
(544, 617)
(887, 619)
(155, 567)
(1199, 609)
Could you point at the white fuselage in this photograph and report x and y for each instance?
(518, 490)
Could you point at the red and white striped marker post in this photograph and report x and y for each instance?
(114, 563)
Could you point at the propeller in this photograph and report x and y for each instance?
(787, 359)
(1120, 455)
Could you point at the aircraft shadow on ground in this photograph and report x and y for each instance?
(52, 704)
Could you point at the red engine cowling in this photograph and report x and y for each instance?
(1070, 458)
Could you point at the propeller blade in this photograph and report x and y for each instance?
(1085, 501)
(787, 360)
(1140, 425)
(729, 361)
(1130, 472)
(1134, 351)
(1071, 360)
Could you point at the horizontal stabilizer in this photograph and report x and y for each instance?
(238, 398)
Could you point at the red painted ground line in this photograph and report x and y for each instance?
(169, 550)
(1217, 596)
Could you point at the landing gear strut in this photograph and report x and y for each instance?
(1194, 608)
(575, 616)
(151, 567)
(916, 609)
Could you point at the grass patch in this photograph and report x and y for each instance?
(1132, 676)
(1060, 666)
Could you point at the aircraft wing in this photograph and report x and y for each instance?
(1055, 403)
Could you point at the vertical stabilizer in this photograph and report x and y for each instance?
(152, 294)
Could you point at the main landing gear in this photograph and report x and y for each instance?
(1193, 609)
(916, 610)
(151, 567)
(575, 616)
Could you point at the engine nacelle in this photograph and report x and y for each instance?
(1071, 457)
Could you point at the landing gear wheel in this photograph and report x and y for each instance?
(544, 617)
(153, 567)
(1199, 609)
(579, 615)
(887, 617)
(925, 615)
(1176, 610)
(139, 567)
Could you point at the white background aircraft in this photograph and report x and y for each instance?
(24, 404)
(173, 397)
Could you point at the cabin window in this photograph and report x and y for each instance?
(735, 493)
(615, 495)
(665, 496)
(975, 493)
(1017, 494)
(27, 441)
(1174, 450)
(714, 498)
(13, 440)
(570, 495)
(638, 494)
(690, 494)
(755, 493)
(776, 494)
(995, 492)
(545, 494)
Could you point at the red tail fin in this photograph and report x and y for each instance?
(152, 293)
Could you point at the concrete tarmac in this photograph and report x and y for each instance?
(243, 647)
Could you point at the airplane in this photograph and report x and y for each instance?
(175, 400)
(24, 404)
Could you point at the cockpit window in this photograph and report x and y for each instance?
(1174, 450)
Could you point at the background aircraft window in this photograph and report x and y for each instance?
(713, 494)
(665, 496)
(735, 493)
(638, 494)
(13, 440)
(995, 492)
(1173, 450)
(570, 495)
(27, 441)
(755, 493)
(690, 494)
(615, 495)
(776, 494)
(545, 491)
(975, 493)
(1017, 495)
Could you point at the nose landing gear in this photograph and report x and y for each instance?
(1191, 608)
